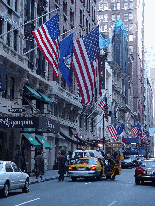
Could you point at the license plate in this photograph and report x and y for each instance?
(81, 168)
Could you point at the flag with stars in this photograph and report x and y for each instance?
(47, 38)
(86, 66)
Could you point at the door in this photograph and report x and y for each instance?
(9, 175)
(18, 176)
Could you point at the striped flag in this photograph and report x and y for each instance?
(86, 66)
(135, 131)
(102, 104)
(47, 38)
(113, 132)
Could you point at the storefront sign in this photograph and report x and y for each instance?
(49, 125)
(16, 110)
(19, 122)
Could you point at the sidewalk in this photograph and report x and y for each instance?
(49, 175)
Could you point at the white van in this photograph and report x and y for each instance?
(83, 153)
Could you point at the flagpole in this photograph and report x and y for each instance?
(37, 46)
(29, 22)
(94, 109)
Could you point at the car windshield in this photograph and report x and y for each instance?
(149, 164)
(91, 154)
(87, 161)
(1, 166)
(140, 158)
(80, 154)
(127, 160)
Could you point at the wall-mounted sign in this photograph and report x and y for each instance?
(16, 110)
(30, 122)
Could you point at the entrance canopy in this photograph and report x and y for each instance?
(45, 98)
(43, 141)
(32, 140)
(28, 91)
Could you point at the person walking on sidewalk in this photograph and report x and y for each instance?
(61, 165)
(39, 165)
(19, 160)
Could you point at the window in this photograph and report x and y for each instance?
(1, 26)
(8, 168)
(125, 17)
(131, 5)
(105, 6)
(100, 17)
(125, 6)
(131, 37)
(130, 49)
(15, 39)
(118, 6)
(12, 88)
(126, 27)
(100, 6)
(113, 17)
(15, 168)
(113, 6)
(105, 28)
(105, 17)
(8, 2)
(130, 16)
(16, 5)
(8, 34)
(118, 17)
(131, 27)
(80, 17)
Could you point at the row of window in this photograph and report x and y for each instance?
(115, 6)
(115, 17)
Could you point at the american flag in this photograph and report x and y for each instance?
(135, 131)
(102, 104)
(47, 38)
(113, 132)
(86, 66)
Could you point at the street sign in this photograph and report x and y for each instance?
(16, 110)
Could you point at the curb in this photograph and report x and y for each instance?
(45, 179)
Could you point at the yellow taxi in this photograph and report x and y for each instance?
(87, 167)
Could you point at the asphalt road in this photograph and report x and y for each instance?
(120, 192)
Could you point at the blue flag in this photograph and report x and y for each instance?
(120, 129)
(66, 51)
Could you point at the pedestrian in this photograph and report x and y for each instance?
(61, 165)
(39, 165)
(19, 160)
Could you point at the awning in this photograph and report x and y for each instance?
(31, 139)
(45, 98)
(67, 138)
(43, 141)
(28, 91)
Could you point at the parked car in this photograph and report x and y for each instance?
(11, 178)
(145, 172)
(127, 163)
(88, 167)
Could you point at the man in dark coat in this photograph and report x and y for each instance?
(61, 166)
(19, 160)
(39, 165)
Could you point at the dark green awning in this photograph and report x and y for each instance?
(32, 92)
(45, 98)
(31, 139)
(29, 129)
(43, 141)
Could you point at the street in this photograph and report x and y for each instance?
(120, 192)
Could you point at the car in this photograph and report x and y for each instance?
(87, 167)
(11, 178)
(82, 153)
(145, 172)
(127, 163)
(68, 163)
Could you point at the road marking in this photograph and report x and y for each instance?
(112, 203)
(27, 202)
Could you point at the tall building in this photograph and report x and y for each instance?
(38, 110)
(131, 12)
